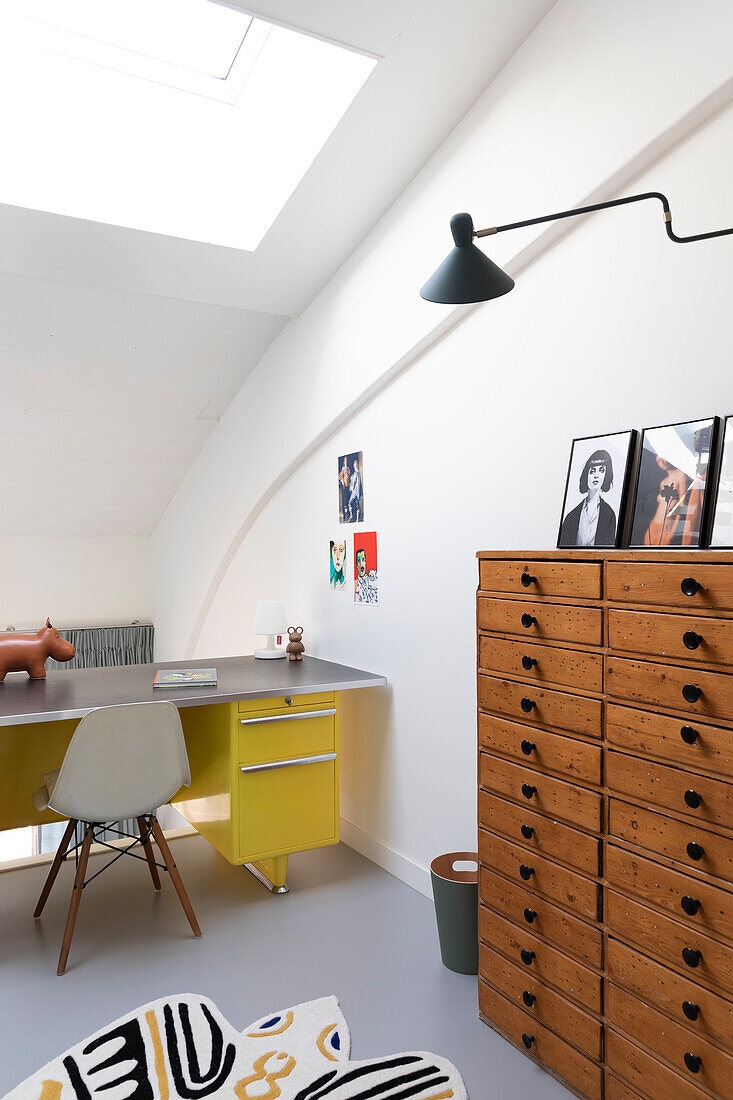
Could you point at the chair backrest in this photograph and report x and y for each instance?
(123, 761)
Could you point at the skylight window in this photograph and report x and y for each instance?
(180, 117)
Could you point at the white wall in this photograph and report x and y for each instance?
(76, 581)
(466, 437)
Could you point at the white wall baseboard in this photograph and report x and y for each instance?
(412, 874)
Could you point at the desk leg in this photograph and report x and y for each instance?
(271, 873)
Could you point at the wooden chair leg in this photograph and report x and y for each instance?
(81, 870)
(175, 876)
(148, 846)
(55, 866)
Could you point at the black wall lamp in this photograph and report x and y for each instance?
(468, 275)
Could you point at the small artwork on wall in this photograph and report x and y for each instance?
(338, 565)
(366, 573)
(351, 488)
(672, 486)
(721, 534)
(596, 490)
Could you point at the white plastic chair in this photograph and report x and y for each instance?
(123, 762)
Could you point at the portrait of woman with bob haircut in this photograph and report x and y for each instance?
(596, 485)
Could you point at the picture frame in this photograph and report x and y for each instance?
(672, 492)
(615, 455)
(720, 533)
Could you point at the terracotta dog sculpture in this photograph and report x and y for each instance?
(28, 652)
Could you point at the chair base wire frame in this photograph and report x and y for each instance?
(84, 834)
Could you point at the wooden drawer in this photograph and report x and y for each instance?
(578, 580)
(711, 908)
(644, 731)
(713, 1014)
(666, 939)
(540, 875)
(547, 664)
(542, 621)
(540, 834)
(544, 706)
(654, 1080)
(616, 1089)
(543, 1044)
(662, 685)
(670, 1041)
(540, 1002)
(546, 963)
(711, 853)
(544, 793)
(546, 920)
(665, 787)
(709, 640)
(572, 759)
(661, 583)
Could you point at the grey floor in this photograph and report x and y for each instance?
(346, 927)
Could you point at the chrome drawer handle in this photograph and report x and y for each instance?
(689, 735)
(295, 717)
(691, 640)
(272, 764)
(691, 906)
(691, 1010)
(527, 579)
(693, 1062)
(695, 851)
(691, 693)
(528, 620)
(690, 587)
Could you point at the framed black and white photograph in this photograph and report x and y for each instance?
(596, 490)
(721, 526)
(671, 499)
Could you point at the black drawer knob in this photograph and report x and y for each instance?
(530, 915)
(527, 579)
(690, 905)
(528, 832)
(695, 851)
(689, 735)
(691, 640)
(528, 790)
(692, 1061)
(528, 620)
(690, 587)
(691, 956)
(691, 693)
(528, 998)
(526, 872)
(528, 747)
(528, 662)
(693, 799)
(691, 1010)
(526, 956)
(527, 704)
(529, 1039)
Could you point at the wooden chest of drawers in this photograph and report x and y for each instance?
(605, 815)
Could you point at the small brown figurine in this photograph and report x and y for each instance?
(28, 652)
(295, 648)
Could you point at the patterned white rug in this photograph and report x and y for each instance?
(182, 1047)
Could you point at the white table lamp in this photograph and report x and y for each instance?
(270, 620)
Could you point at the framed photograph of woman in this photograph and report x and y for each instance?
(721, 527)
(671, 500)
(596, 490)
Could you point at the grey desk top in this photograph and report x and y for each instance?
(74, 692)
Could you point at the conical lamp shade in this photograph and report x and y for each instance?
(466, 274)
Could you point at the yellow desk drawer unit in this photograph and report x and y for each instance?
(265, 779)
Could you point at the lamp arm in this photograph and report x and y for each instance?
(606, 206)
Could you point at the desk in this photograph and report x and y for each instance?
(263, 748)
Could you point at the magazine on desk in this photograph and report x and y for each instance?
(185, 677)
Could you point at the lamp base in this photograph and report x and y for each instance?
(270, 654)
